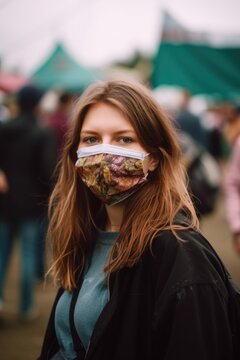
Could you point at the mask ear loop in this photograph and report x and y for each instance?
(147, 174)
(150, 173)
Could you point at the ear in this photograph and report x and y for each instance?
(153, 162)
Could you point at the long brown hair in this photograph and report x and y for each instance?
(75, 213)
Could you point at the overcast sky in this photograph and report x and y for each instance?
(97, 32)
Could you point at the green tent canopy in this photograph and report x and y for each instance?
(202, 63)
(202, 69)
(61, 71)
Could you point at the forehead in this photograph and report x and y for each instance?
(105, 115)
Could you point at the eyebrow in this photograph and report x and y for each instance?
(116, 132)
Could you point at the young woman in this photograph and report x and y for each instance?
(137, 279)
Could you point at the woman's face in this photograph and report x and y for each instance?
(105, 124)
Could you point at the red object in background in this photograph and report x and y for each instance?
(11, 82)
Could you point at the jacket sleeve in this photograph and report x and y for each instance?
(199, 328)
(232, 190)
(191, 311)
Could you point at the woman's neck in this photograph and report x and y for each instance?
(115, 215)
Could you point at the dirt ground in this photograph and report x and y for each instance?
(22, 341)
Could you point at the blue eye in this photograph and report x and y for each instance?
(126, 140)
(90, 140)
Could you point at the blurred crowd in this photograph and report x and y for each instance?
(33, 126)
(209, 132)
(31, 140)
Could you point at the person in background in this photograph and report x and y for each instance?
(231, 130)
(212, 119)
(137, 279)
(27, 159)
(189, 123)
(232, 194)
(204, 175)
(58, 121)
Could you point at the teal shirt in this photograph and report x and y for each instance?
(92, 298)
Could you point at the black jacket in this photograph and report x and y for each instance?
(172, 305)
(27, 157)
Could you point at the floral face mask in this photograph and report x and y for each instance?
(112, 173)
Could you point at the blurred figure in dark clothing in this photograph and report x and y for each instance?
(212, 120)
(203, 175)
(190, 123)
(27, 160)
(58, 121)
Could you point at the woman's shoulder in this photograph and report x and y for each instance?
(187, 258)
(184, 242)
(181, 242)
(183, 236)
